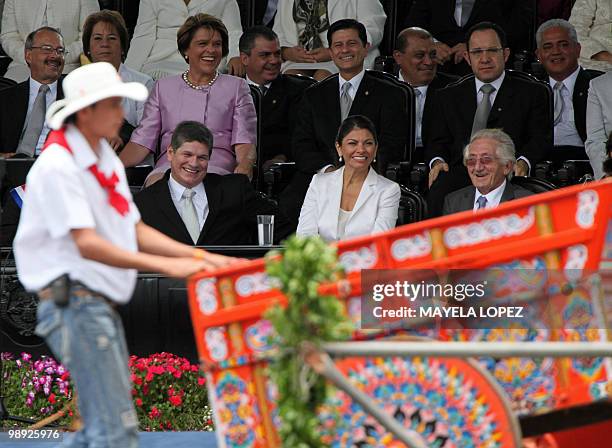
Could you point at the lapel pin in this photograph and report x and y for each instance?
(499, 109)
(273, 101)
(367, 93)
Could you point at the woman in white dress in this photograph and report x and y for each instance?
(593, 22)
(302, 27)
(353, 200)
(153, 48)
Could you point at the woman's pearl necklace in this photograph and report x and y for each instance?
(196, 87)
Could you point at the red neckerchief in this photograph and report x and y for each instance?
(116, 200)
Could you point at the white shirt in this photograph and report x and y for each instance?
(458, 10)
(62, 195)
(355, 81)
(493, 196)
(200, 201)
(420, 107)
(343, 218)
(497, 84)
(50, 97)
(133, 109)
(565, 131)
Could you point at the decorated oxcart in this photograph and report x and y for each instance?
(554, 240)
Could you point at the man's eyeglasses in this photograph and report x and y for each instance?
(48, 49)
(484, 160)
(479, 52)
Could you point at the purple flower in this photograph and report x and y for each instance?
(38, 366)
(50, 370)
(31, 395)
(26, 356)
(46, 390)
(7, 356)
(61, 370)
(42, 380)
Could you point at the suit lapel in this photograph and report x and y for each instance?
(579, 100)
(466, 103)
(20, 108)
(508, 193)
(272, 98)
(332, 101)
(168, 208)
(367, 189)
(362, 97)
(502, 100)
(213, 196)
(333, 211)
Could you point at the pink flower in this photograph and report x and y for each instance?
(26, 356)
(201, 381)
(138, 402)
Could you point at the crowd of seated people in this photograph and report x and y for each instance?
(307, 122)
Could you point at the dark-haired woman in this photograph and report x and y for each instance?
(223, 103)
(353, 200)
(106, 39)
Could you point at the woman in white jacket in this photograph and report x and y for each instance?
(302, 26)
(593, 22)
(21, 17)
(153, 48)
(352, 200)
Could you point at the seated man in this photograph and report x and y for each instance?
(260, 54)
(194, 207)
(415, 53)
(558, 51)
(448, 21)
(325, 106)
(490, 159)
(23, 106)
(490, 99)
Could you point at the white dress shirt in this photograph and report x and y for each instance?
(566, 133)
(253, 83)
(493, 196)
(200, 201)
(63, 195)
(50, 97)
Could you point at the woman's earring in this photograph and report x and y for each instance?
(187, 59)
(340, 159)
(374, 160)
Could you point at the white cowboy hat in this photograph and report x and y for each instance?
(87, 85)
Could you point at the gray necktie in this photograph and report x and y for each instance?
(483, 109)
(559, 102)
(419, 113)
(263, 89)
(190, 215)
(466, 11)
(482, 202)
(345, 101)
(35, 124)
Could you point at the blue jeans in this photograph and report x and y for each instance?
(87, 337)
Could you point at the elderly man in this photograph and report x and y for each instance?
(490, 160)
(196, 207)
(260, 53)
(493, 98)
(415, 53)
(23, 106)
(558, 51)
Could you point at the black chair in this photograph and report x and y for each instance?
(257, 171)
(533, 184)
(412, 207)
(409, 103)
(5, 83)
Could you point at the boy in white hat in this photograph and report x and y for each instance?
(79, 244)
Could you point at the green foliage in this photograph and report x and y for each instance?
(306, 263)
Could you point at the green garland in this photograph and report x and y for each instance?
(306, 263)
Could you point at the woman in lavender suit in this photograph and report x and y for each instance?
(221, 102)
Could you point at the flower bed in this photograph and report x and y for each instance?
(169, 392)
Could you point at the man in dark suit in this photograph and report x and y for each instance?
(261, 55)
(325, 105)
(448, 21)
(490, 99)
(558, 51)
(23, 106)
(490, 160)
(265, 11)
(194, 207)
(415, 54)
